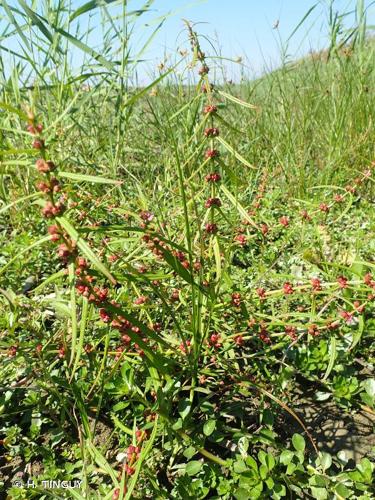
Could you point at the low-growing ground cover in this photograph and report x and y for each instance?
(187, 281)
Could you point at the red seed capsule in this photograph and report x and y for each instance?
(44, 166)
(316, 284)
(212, 153)
(140, 300)
(211, 132)
(213, 177)
(210, 109)
(284, 221)
(211, 228)
(342, 281)
(212, 202)
(241, 239)
(236, 299)
(288, 288)
(203, 70)
(38, 144)
(43, 187)
(313, 330)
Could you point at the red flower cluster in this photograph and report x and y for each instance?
(261, 293)
(214, 340)
(140, 300)
(51, 209)
(323, 207)
(292, 332)
(288, 288)
(212, 153)
(203, 70)
(264, 336)
(185, 346)
(213, 177)
(211, 202)
(338, 198)
(241, 239)
(146, 216)
(210, 109)
(211, 228)
(45, 167)
(316, 284)
(305, 215)
(34, 129)
(342, 281)
(236, 299)
(211, 132)
(65, 251)
(368, 280)
(53, 186)
(239, 340)
(284, 221)
(38, 144)
(313, 330)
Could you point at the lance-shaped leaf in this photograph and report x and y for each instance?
(237, 155)
(88, 178)
(237, 100)
(237, 205)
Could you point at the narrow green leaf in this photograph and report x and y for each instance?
(237, 155)
(77, 351)
(238, 206)
(88, 178)
(301, 22)
(13, 21)
(217, 258)
(332, 357)
(48, 280)
(237, 100)
(85, 48)
(101, 462)
(88, 6)
(73, 310)
(37, 21)
(357, 335)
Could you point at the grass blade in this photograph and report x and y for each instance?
(88, 178)
(237, 155)
(238, 206)
(236, 100)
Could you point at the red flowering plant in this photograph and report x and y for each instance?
(185, 294)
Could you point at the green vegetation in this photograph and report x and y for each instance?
(187, 269)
